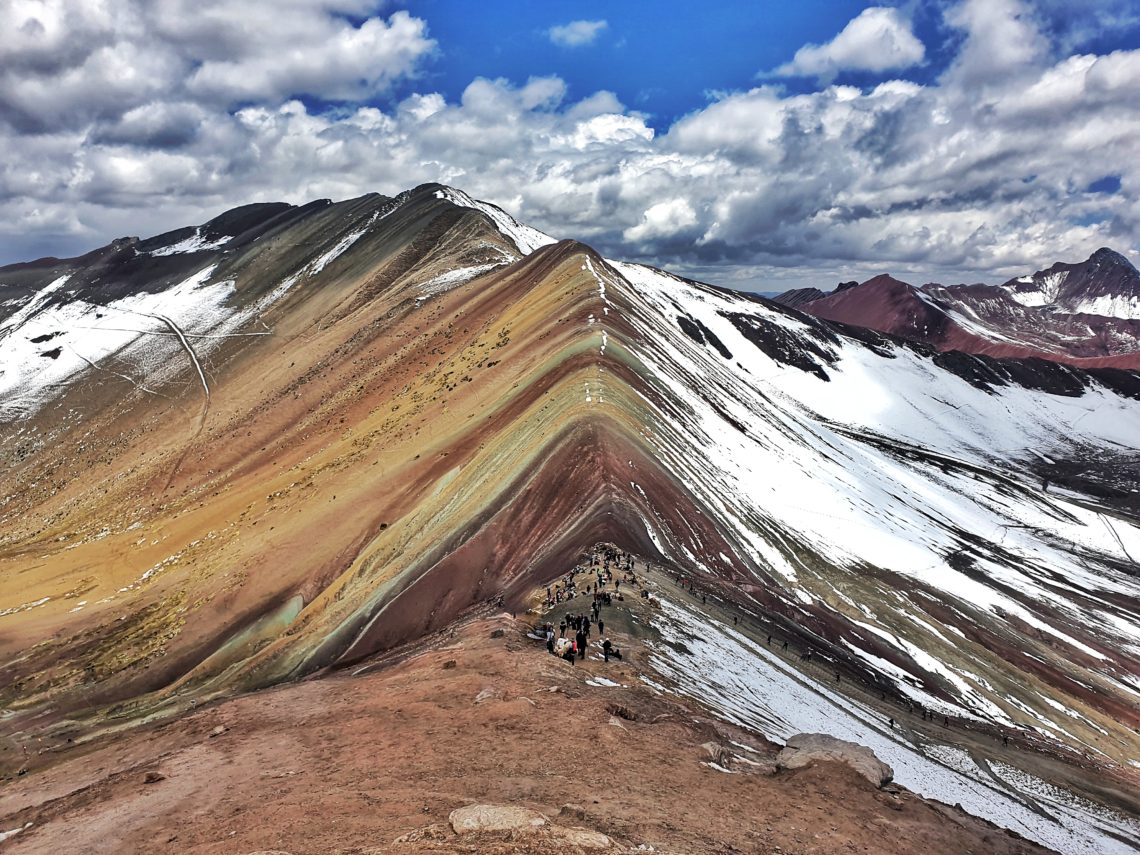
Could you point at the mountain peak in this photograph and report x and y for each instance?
(1106, 256)
(884, 280)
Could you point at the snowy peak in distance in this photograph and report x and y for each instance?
(1084, 314)
(1106, 284)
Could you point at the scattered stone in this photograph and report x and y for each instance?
(488, 694)
(434, 832)
(153, 777)
(583, 838)
(218, 731)
(621, 712)
(449, 664)
(498, 633)
(717, 754)
(477, 818)
(575, 811)
(806, 749)
(616, 722)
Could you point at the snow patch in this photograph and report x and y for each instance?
(197, 242)
(524, 237)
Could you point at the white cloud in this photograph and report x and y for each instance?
(949, 180)
(877, 39)
(663, 220)
(71, 62)
(326, 57)
(576, 33)
(1001, 39)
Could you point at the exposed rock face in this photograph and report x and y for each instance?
(807, 749)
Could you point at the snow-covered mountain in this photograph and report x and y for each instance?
(292, 437)
(1085, 314)
(1106, 285)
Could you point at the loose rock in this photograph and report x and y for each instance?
(488, 694)
(805, 749)
(476, 818)
(583, 838)
(717, 754)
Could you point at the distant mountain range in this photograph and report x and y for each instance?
(1085, 314)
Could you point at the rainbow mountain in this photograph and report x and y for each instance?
(293, 437)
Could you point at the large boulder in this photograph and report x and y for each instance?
(806, 749)
(481, 818)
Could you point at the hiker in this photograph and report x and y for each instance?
(785, 644)
(562, 629)
(892, 722)
(735, 620)
(580, 641)
(769, 639)
(568, 655)
(550, 641)
(601, 627)
(607, 646)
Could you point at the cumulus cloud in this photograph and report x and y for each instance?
(331, 60)
(663, 220)
(576, 33)
(952, 180)
(1001, 38)
(877, 39)
(71, 62)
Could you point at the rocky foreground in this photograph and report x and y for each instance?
(475, 740)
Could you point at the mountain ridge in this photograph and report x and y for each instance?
(1085, 314)
(346, 433)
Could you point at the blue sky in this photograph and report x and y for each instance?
(754, 145)
(658, 57)
(665, 57)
